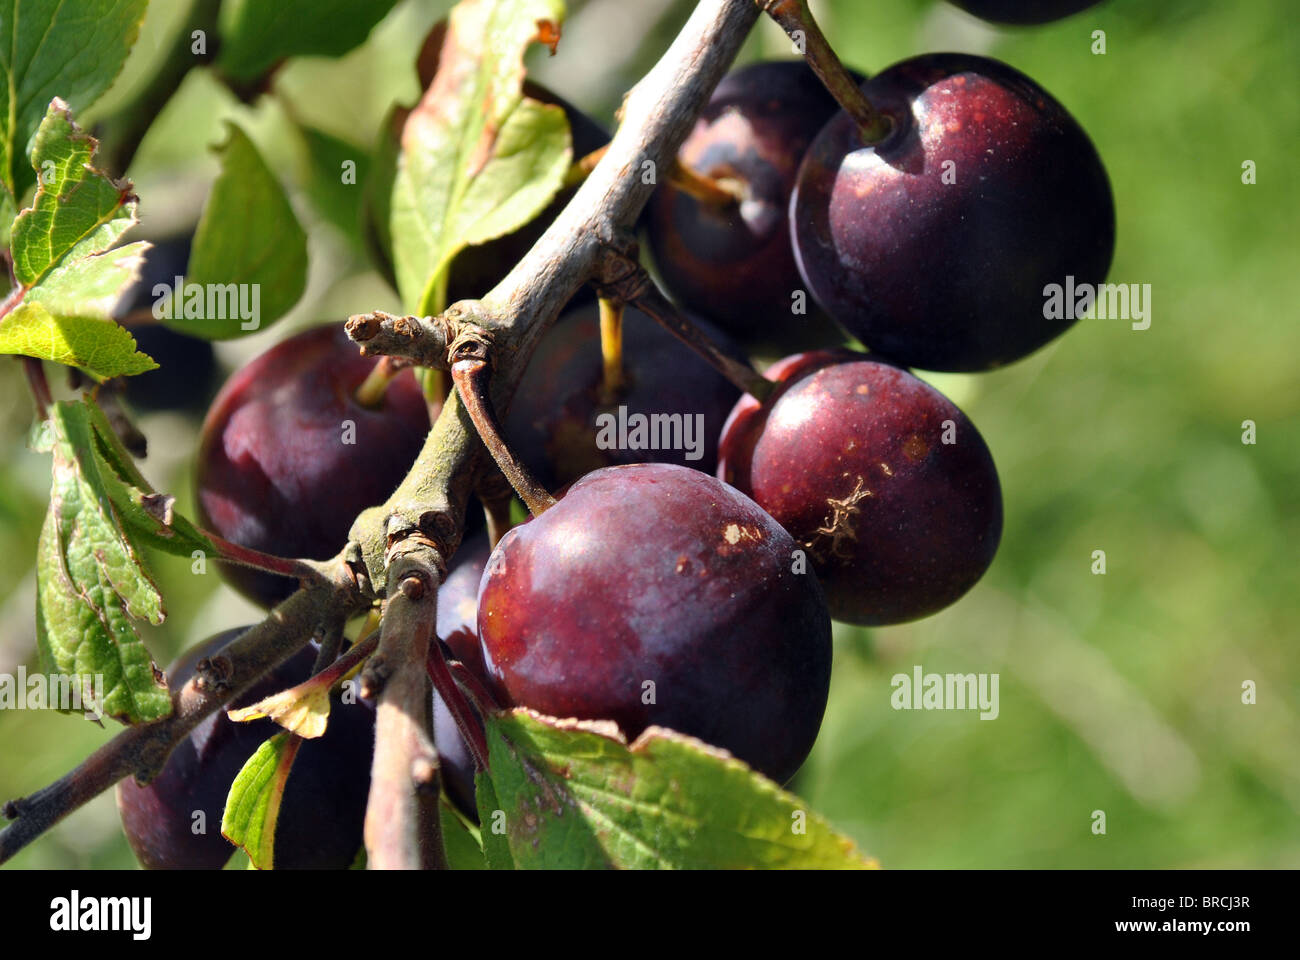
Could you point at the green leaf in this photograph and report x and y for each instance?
(253, 803)
(103, 349)
(460, 840)
(52, 48)
(575, 795)
(77, 211)
(147, 515)
(62, 257)
(496, 845)
(478, 158)
(335, 188)
(90, 287)
(248, 265)
(256, 34)
(91, 581)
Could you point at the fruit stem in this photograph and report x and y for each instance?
(714, 191)
(471, 728)
(495, 493)
(611, 349)
(794, 17)
(653, 303)
(248, 557)
(582, 167)
(473, 381)
(371, 392)
(480, 697)
(39, 385)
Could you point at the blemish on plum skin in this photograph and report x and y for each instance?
(683, 564)
(915, 448)
(862, 389)
(885, 469)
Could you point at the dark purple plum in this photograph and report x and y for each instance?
(1024, 11)
(323, 810)
(552, 425)
(934, 246)
(276, 471)
(888, 485)
(733, 263)
(651, 594)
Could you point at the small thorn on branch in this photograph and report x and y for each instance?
(424, 774)
(374, 675)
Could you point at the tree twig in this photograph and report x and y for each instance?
(402, 828)
(142, 750)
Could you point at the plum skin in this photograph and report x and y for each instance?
(552, 421)
(848, 455)
(273, 472)
(324, 805)
(654, 572)
(950, 276)
(735, 264)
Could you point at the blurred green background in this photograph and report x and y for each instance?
(1120, 693)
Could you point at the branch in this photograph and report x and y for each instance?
(402, 829)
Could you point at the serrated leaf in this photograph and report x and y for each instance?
(77, 211)
(478, 158)
(249, 250)
(256, 34)
(253, 803)
(92, 286)
(69, 277)
(91, 581)
(460, 840)
(101, 348)
(54, 48)
(149, 516)
(575, 795)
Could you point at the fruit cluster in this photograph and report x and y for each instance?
(696, 592)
